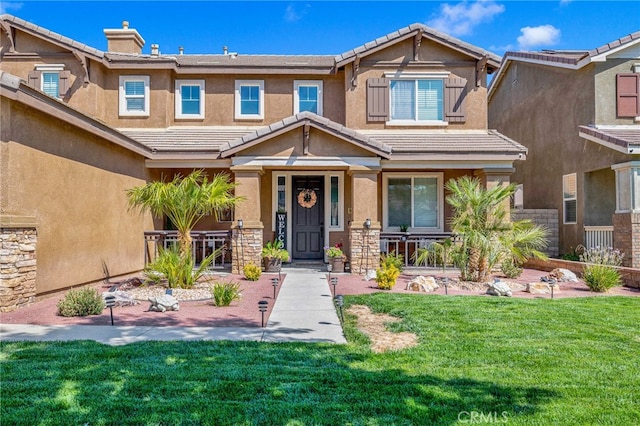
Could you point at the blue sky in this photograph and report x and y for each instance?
(332, 27)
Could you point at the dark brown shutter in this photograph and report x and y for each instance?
(63, 83)
(377, 99)
(34, 79)
(454, 99)
(627, 96)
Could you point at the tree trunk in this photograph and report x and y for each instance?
(184, 241)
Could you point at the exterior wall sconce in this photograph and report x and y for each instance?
(240, 224)
(367, 223)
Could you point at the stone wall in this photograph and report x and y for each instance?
(548, 218)
(365, 250)
(630, 276)
(246, 247)
(626, 237)
(17, 267)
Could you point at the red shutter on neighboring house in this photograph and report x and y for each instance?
(63, 83)
(627, 96)
(454, 99)
(34, 79)
(377, 99)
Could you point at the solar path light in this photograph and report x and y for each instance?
(274, 283)
(262, 306)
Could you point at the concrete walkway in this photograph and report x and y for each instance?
(303, 312)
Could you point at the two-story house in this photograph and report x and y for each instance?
(345, 149)
(578, 113)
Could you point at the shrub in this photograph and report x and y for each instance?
(179, 270)
(601, 278)
(386, 276)
(224, 293)
(510, 268)
(602, 256)
(392, 259)
(81, 302)
(252, 272)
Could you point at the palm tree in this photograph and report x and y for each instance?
(488, 236)
(185, 200)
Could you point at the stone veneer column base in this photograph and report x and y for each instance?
(17, 266)
(365, 249)
(626, 237)
(246, 247)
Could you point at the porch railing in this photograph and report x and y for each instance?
(409, 244)
(601, 236)
(203, 244)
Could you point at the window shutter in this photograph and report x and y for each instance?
(63, 83)
(377, 99)
(627, 96)
(34, 79)
(454, 99)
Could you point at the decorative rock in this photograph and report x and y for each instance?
(164, 303)
(541, 288)
(561, 274)
(421, 283)
(499, 288)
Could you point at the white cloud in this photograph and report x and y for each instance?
(5, 6)
(292, 14)
(460, 19)
(543, 35)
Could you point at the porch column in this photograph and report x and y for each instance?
(491, 178)
(364, 241)
(246, 243)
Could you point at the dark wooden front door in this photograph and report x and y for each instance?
(308, 217)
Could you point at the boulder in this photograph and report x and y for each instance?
(541, 288)
(499, 288)
(421, 283)
(164, 303)
(561, 275)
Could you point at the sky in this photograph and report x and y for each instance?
(333, 27)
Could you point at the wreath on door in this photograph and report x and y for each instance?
(307, 198)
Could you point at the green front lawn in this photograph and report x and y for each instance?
(513, 361)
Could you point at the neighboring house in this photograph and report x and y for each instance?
(325, 141)
(578, 113)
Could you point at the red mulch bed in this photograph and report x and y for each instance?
(245, 313)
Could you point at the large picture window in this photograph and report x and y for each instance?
(420, 100)
(413, 201)
(570, 198)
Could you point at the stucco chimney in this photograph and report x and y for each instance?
(124, 40)
(181, 50)
(155, 50)
(225, 50)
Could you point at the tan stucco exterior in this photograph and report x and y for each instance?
(73, 184)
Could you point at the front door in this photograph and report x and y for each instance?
(308, 217)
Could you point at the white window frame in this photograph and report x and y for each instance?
(417, 76)
(385, 200)
(565, 199)
(50, 69)
(178, 98)
(238, 109)
(307, 83)
(123, 99)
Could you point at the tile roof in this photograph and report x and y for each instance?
(411, 142)
(313, 120)
(408, 31)
(572, 57)
(50, 35)
(626, 137)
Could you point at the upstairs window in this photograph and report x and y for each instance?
(134, 95)
(570, 198)
(249, 100)
(307, 96)
(417, 100)
(189, 99)
(52, 79)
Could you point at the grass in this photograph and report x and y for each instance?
(529, 362)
